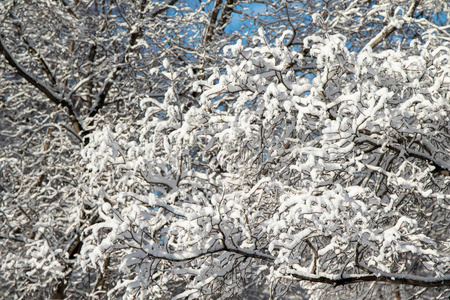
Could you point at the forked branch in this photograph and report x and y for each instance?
(390, 28)
(41, 86)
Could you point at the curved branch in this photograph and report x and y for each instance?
(166, 5)
(335, 280)
(390, 28)
(185, 257)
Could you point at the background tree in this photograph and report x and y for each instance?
(139, 158)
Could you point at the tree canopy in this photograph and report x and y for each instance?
(213, 149)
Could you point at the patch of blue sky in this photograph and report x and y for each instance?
(238, 22)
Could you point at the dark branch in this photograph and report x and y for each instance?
(226, 14)
(335, 280)
(135, 34)
(212, 21)
(440, 166)
(41, 86)
(380, 277)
